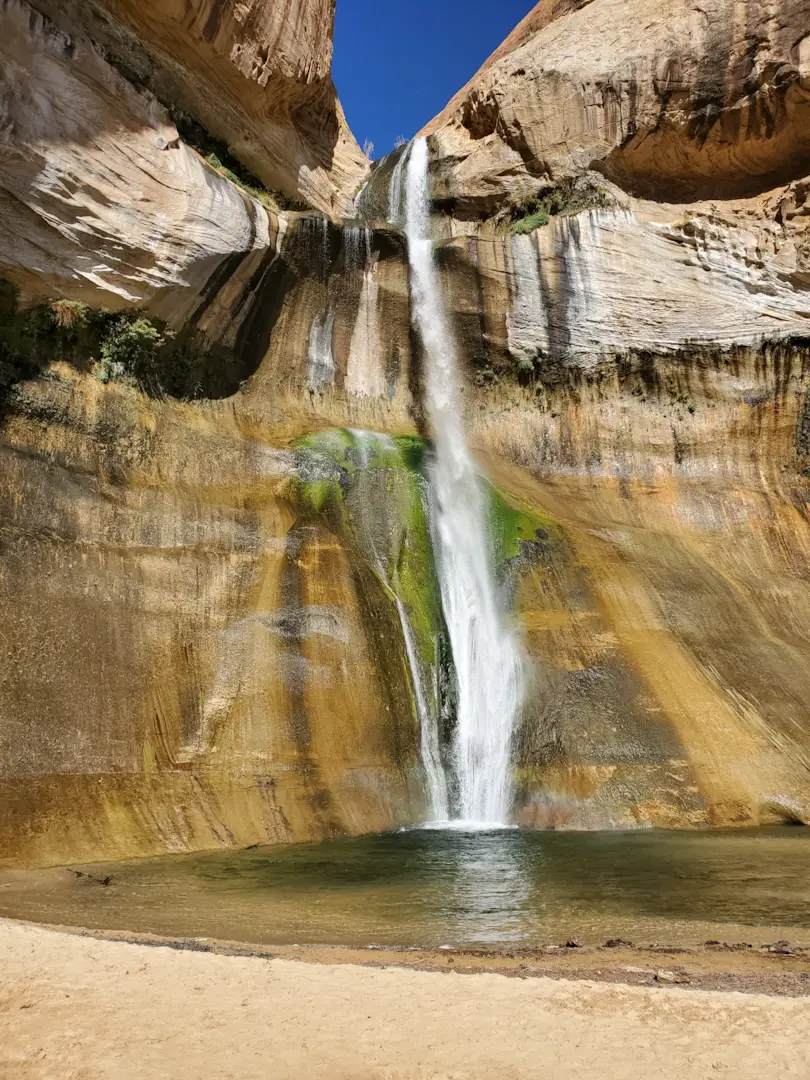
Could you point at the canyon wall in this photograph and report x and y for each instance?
(101, 200)
(670, 101)
(256, 76)
(190, 659)
(201, 639)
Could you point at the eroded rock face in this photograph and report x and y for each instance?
(210, 664)
(199, 641)
(256, 75)
(210, 641)
(640, 278)
(99, 199)
(102, 201)
(669, 101)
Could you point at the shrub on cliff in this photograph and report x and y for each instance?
(32, 338)
(126, 347)
(129, 350)
(531, 222)
(570, 197)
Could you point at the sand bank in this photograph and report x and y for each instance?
(79, 1008)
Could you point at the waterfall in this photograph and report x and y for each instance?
(321, 365)
(395, 189)
(357, 241)
(369, 444)
(315, 232)
(485, 650)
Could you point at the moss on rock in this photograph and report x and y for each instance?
(372, 490)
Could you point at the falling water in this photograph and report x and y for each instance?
(321, 365)
(485, 651)
(370, 444)
(357, 242)
(396, 189)
(315, 232)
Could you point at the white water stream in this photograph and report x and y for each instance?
(486, 652)
(369, 444)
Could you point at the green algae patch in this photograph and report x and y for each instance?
(413, 450)
(516, 530)
(387, 515)
(371, 491)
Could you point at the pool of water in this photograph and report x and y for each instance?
(433, 888)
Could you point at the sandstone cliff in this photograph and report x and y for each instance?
(101, 200)
(201, 601)
(669, 100)
(256, 75)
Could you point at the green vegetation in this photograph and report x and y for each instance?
(512, 527)
(126, 347)
(412, 449)
(526, 366)
(528, 224)
(220, 158)
(370, 490)
(271, 200)
(568, 198)
(333, 464)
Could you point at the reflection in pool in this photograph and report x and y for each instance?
(432, 888)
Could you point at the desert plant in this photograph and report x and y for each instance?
(568, 198)
(127, 347)
(69, 314)
(531, 222)
(129, 350)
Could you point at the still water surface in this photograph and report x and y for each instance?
(433, 888)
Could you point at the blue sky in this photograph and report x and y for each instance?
(398, 62)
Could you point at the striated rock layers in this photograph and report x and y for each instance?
(100, 198)
(669, 100)
(256, 75)
(212, 611)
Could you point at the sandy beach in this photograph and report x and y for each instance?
(80, 1008)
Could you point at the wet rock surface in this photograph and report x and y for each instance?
(192, 656)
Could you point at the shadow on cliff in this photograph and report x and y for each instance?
(127, 347)
(128, 73)
(744, 131)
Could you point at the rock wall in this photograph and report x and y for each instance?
(194, 656)
(669, 101)
(200, 642)
(102, 201)
(190, 658)
(256, 75)
(99, 199)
